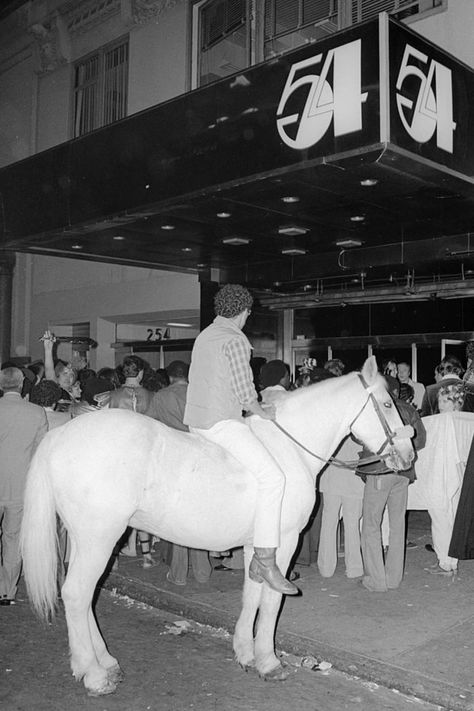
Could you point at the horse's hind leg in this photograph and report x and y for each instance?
(243, 634)
(89, 558)
(105, 659)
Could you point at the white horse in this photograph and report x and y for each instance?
(106, 470)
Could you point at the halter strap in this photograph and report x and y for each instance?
(354, 464)
(389, 434)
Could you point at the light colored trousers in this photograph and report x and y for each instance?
(442, 522)
(238, 439)
(10, 568)
(389, 490)
(351, 508)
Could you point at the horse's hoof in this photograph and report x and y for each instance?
(279, 673)
(108, 687)
(246, 666)
(115, 674)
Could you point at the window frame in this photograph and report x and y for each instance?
(256, 28)
(99, 114)
(196, 8)
(337, 10)
(395, 11)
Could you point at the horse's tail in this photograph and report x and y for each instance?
(38, 539)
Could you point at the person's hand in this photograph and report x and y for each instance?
(268, 412)
(48, 339)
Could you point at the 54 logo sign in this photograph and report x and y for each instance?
(340, 101)
(433, 109)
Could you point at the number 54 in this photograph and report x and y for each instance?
(433, 110)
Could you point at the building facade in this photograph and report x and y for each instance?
(68, 69)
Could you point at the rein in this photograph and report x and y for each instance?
(353, 464)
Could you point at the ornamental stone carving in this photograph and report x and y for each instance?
(146, 10)
(52, 43)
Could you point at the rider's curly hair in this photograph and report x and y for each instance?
(231, 300)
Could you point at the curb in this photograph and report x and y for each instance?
(391, 676)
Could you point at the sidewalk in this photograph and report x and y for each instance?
(418, 639)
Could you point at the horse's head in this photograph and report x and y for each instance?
(378, 424)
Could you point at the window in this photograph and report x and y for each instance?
(292, 23)
(100, 88)
(223, 39)
(365, 9)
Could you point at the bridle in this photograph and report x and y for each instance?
(390, 435)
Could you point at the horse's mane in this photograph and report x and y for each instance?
(329, 384)
(300, 395)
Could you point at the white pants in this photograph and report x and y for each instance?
(441, 531)
(238, 439)
(327, 553)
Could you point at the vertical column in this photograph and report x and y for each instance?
(209, 284)
(7, 265)
(286, 339)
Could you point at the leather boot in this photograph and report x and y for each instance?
(263, 567)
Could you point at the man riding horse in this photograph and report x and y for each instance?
(220, 389)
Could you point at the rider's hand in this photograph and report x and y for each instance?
(266, 412)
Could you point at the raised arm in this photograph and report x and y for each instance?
(49, 340)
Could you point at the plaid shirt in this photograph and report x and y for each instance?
(237, 353)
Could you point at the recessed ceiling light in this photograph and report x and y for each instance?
(369, 182)
(236, 240)
(76, 246)
(118, 238)
(168, 227)
(290, 198)
(223, 214)
(292, 230)
(180, 325)
(345, 243)
(186, 249)
(357, 218)
(147, 186)
(293, 250)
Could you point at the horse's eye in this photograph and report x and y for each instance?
(388, 405)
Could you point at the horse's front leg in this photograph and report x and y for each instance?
(268, 665)
(243, 634)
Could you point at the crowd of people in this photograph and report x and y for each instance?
(210, 398)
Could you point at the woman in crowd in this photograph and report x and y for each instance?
(133, 396)
(47, 394)
(60, 372)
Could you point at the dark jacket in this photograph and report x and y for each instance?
(409, 417)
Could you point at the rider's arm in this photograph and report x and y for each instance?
(238, 355)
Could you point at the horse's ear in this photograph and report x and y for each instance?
(369, 370)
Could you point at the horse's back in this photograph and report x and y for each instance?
(173, 482)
